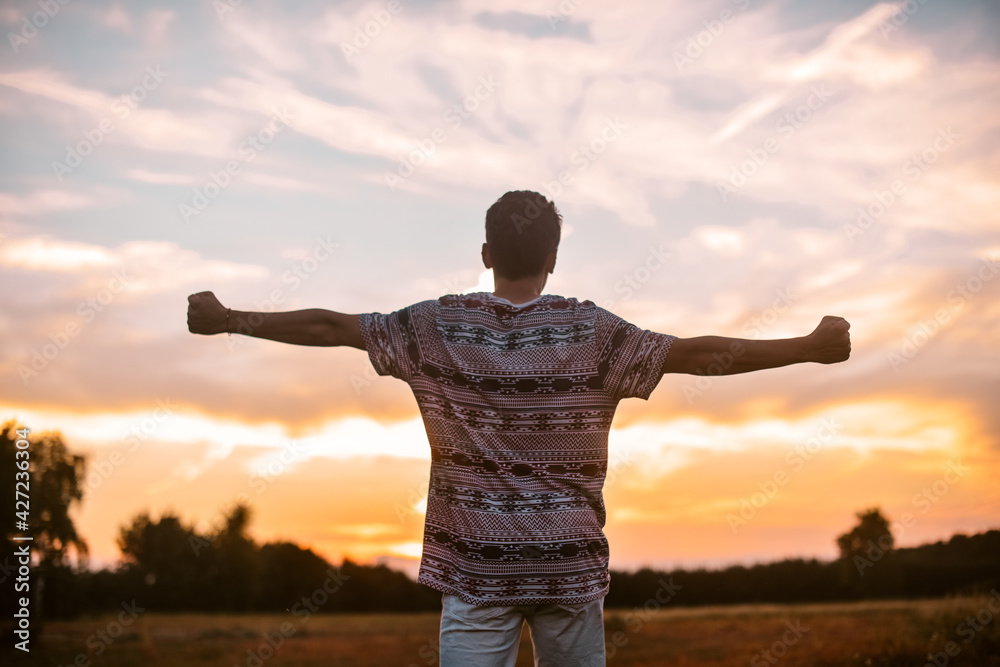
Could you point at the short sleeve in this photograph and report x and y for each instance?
(633, 357)
(392, 342)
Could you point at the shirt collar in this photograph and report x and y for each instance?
(516, 305)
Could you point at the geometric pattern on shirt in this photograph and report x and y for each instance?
(517, 403)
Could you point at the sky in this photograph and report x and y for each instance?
(734, 168)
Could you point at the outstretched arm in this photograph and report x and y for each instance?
(829, 343)
(313, 326)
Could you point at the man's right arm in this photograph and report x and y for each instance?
(312, 326)
(829, 343)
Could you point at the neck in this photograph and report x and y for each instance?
(521, 290)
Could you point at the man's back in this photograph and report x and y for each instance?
(517, 402)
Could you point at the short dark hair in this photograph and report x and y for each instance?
(522, 228)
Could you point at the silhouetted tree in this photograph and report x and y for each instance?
(288, 573)
(379, 588)
(51, 487)
(872, 533)
(867, 558)
(220, 570)
(166, 557)
(238, 561)
(56, 478)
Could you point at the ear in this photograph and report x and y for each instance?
(487, 260)
(550, 262)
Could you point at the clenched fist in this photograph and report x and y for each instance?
(205, 314)
(830, 342)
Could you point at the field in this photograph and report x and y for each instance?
(910, 633)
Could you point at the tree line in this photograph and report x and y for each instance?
(964, 565)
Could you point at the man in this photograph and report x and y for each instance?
(517, 391)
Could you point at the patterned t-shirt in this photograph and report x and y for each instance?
(517, 402)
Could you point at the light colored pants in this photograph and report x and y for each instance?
(563, 635)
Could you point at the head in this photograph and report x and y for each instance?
(522, 235)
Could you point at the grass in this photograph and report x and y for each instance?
(883, 633)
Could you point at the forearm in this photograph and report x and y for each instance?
(721, 355)
(312, 326)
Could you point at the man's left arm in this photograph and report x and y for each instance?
(829, 343)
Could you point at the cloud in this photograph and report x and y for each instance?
(131, 119)
(146, 176)
(39, 254)
(49, 85)
(158, 22)
(158, 265)
(118, 18)
(755, 507)
(851, 52)
(41, 202)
